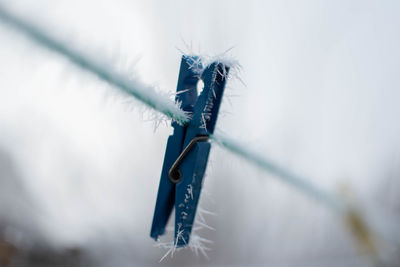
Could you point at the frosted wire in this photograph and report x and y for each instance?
(140, 91)
(149, 96)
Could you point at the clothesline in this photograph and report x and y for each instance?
(148, 95)
(152, 99)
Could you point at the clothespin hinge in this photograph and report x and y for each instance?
(174, 173)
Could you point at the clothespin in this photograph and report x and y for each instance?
(187, 151)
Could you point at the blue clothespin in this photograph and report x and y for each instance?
(187, 151)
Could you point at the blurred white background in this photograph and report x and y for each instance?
(80, 164)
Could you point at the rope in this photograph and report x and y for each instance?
(140, 91)
(149, 97)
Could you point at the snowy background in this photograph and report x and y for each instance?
(80, 163)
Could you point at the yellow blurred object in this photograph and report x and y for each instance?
(361, 232)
